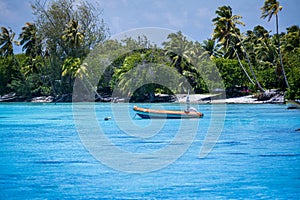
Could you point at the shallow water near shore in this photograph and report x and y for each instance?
(256, 156)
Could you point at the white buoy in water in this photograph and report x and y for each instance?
(107, 118)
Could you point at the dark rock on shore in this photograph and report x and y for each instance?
(63, 98)
(269, 95)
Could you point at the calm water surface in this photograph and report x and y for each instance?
(42, 157)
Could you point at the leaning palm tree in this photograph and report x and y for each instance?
(225, 26)
(228, 35)
(269, 9)
(6, 42)
(32, 45)
(249, 63)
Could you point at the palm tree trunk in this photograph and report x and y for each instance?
(280, 56)
(250, 79)
(90, 86)
(252, 71)
(250, 65)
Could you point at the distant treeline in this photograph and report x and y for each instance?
(56, 46)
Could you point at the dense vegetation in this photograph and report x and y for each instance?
(56, 45)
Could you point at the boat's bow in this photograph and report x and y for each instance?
(293, 104)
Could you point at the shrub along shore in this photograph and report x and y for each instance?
(69, 41)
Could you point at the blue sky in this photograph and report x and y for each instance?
(192, 17)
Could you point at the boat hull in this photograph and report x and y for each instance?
(165, 114)
(291, 104)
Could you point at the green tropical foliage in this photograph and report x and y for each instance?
(73, 38)
(68, 41)
(6, 41)
(271, 8)
(211, 48)
(226, 31)
(30, 41)
(229, 37)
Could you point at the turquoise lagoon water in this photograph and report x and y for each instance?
(257, 155)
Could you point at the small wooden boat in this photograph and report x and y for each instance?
(293, 104)
(169, 114)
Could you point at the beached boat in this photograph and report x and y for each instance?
(169, 114)
(293, 104)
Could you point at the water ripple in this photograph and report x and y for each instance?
(279, 155)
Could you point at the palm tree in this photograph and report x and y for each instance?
(225, 30)
(185, 55)
(73, 38)
(264, 49)
(260, 32)
(74, 68)
(32, 66)
(211, 48)
(178, 48)
(6, 42)
(31, 43)
(257, 83)
(269, 9)
(229, 36)
(292, 38)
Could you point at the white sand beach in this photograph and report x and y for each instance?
(212, 98)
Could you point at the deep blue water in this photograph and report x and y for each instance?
(42, 156)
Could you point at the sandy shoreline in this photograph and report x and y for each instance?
(249, 99)
(181, 98)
